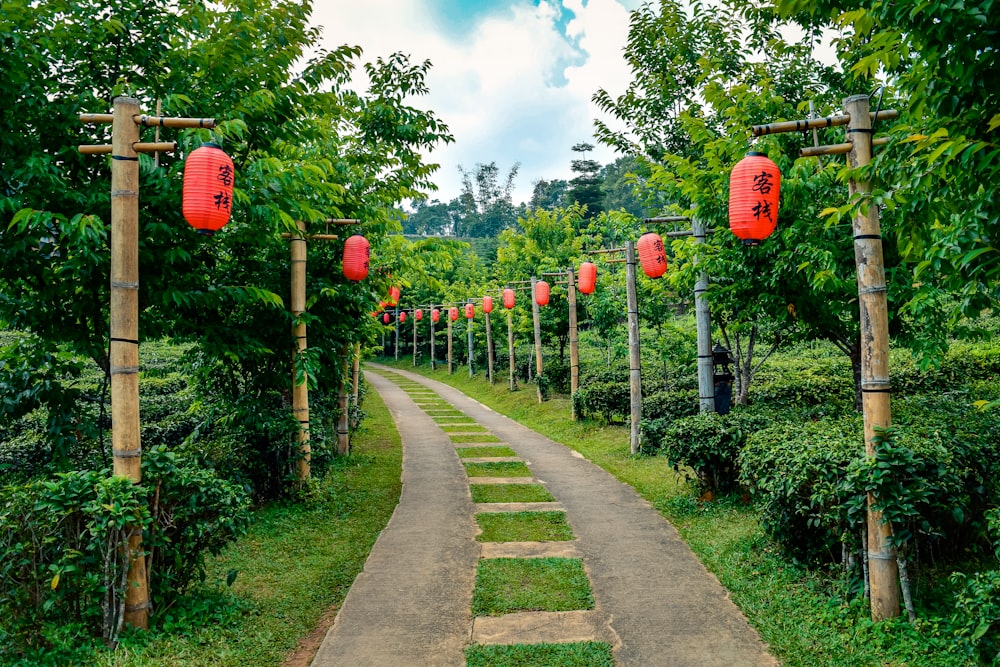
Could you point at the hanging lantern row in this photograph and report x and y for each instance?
(487, 304)
(208, 189)
(754, 191)
(508, 298)
(542, 293)
(587, 277)
(453, 313)
(652, 254)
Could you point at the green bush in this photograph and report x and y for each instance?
(708, 445)
(799, 383)
(607, 400)
(670, 404)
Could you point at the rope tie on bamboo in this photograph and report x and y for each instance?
(862, 130)
(863, 237)
(127, 453)
(137, 607)
(872, 290)
(880, 556)
(298, 261)
(876, 386)
(123, 284)
(125, 157)
(124, 370)
(124, 193)
(115, 339)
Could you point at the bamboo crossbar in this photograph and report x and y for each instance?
(620, 260)
(151, 121)
(605, 251)
(815, 123)
(311, 237)
(668, 218)
(837, 149)
(138, 147)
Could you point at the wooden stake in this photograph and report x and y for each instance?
(451, 365)
(343, 423)
(635, 362)
(875, 386)
(489, 349)
(703, 320)
(396, 327)
(468, 331)
(356, 388)
(574, 348)
(536, 318)
(124, 321)
(300, 390)
(433, 353)
(510, 350)
(415, 348)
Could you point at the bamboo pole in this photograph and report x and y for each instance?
(356, 374)
(451, 363)
(395, 325)
(574, 348)
(415, 348)
(138, 147)
(433, 353)
(703, 320)
(489, 349)
(875, 385)
(124, 349)
(818, 123)
(300, 390)
(510, 350)
(536, 319)
(635, 363)
(468, 331)
(836, 149)
(343, 422)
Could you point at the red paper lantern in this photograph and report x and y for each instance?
(508, 298)
(208, 189)
(453, 313)
(357, 255)
(435, 315)
(385, 318)
(487, 304)
(402, 317)
(419, 314)
(652, 255)
(754, 189)
(587, 277)
(542, 293)
(393, 296)
(470, 311)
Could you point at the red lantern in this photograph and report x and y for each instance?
(508, 298)
(652, 255)
(487, 304)
(385, 318)
(382, 305)
(402, 317)
(542, 293)
(393, 296)
(435, 315)
(208, 189)
(588, 277)
(419, 314)
(357, 254)
(754, 188)
(470, 311)
(453, 314)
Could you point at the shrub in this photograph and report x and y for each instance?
(708, 445)
(670, 404)
(607, 400)
(804, 383)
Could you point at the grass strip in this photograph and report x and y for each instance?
(576, 654)
(510, 493)
(463, 428)
(296, 562)
(546, 526)
(497, 469)
(482, 452)
(474, 437)
(506, 585)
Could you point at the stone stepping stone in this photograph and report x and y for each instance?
(501, 480)
(489, 459)
(537, 627)
(558, 549)
(493, 508)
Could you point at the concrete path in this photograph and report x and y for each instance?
(654, 601)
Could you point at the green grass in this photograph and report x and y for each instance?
(506, 585)
(578, 654)
(497, 469)
(474, 437)
(804, 615)
(485, 452)
(463, 428)
(296, 561)
(510, 493)
(523, 527)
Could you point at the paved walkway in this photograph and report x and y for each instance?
(411, 606)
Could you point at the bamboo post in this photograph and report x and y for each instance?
(510, 350)
(415, 348)
(300, 390)
(451, 363)
(634, 365)
(536, 319)
(343, 422)
(433, 353)
(468, 331)
(574, 348)
(396, 328)
(356, 374)
(703, 323)
(124, 350)
(875, 386)
(489, 349)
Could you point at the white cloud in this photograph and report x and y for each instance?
(512, 89)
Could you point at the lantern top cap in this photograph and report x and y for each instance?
(756, 153)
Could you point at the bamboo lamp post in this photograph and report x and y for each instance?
(487, 309)
(300, 381)
(574, 348)
(416, 324)
(881, 556)
(435, 313)
(451, 318)
(537, 323)
(634, 358)
(469, 312)
(124, 312)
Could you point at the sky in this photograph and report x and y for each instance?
(512, 79)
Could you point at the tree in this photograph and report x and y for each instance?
(585, 189)
(487, 204)
(432, 218)
(621, 189)
(548, 194)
